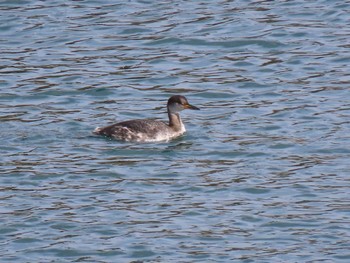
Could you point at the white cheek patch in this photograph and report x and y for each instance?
(176, 107)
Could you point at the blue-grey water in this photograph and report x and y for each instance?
(262, 174)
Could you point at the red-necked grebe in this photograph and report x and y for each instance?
(150, 130)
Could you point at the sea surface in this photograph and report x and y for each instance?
(262, 174)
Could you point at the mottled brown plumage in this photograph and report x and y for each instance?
(147, 130)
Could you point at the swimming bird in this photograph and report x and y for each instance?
(147, 130)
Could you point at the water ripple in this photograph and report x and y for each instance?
(261, 174)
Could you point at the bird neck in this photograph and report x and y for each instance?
(175, 121)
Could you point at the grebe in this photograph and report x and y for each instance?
(150, 130)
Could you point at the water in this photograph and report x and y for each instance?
(262, 174)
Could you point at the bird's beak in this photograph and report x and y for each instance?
(190, 107)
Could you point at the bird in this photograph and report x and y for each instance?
(148, 130)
